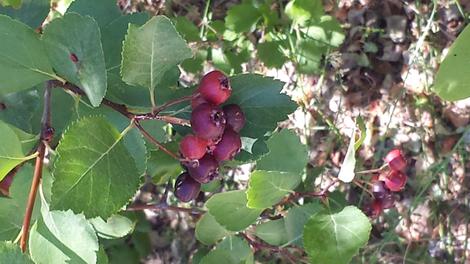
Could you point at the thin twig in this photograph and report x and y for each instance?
(45, 136)
(174, 102)
(162, 207)
(259, 246)
(154, 141)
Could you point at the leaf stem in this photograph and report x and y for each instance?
(161, 207)
(154, 141)
(45, 136)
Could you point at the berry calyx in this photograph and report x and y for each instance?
(186, 188)
(206, 170)
(395, 181)
(234, 117)
(215, 87)
(208, 121)
(228, 147)
(193, 147)
(395, 160)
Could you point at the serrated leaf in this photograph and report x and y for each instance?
(11, 150)
(187, 29)
(242, 18)
(94, 173)
(218, 256)
(114, 227)
(79, 36)
(262, 102)
(31, 12)
(10, 253)
(267, 188)
(295, 220)
(208, 231)
(270, 54)
(161, 166)
(230, 211)
(151, 50)
(284, 146)
(21, 66)
(336, 238)
(303, 10)
(237, 247)
(272, 232)
(326, 31)
(453, 76)
(66, 237)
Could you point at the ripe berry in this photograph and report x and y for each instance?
(193, 147)
(208, 121)
(228, 147)
(197, 101)
(379, 190)
(377, 208)
(186, 188)
(395, 160)
(206, 171)
(395, 181)
(215, 87)
(234, 116)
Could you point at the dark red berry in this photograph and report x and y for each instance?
(377, 208)
(395, 181)
(208, 121)
(379, 190)
(215, 87)
(197, 101)
(234, 117)
(186, 188)
(228, 147)
(206, 171)
(73, 57)
(193, 147)
(395, 160)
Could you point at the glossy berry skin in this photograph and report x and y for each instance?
(234, 117)
(197, 101)
(395, 181)
(395, 160)
(215, 87)
(186, 188)
(379, 190)
(228, 147)
(208, 121)
(207, 169)
(193, 147)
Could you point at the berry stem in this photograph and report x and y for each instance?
(174, 102)
(282, 250)
(373, 170)
(162, 207)
(153, 140)
(45, 127)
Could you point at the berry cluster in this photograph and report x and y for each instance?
(393, 180)
(215, 138)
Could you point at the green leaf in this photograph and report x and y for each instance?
(303, 10)
(230, 211)
(267, 188)
(66, 237)
(11, 150)
(104, 12)
(187, 29)
(161, 167)
(76, 35)
(28, 141)
(295, 220)
(20, 108)
(21, 66)
(151, 50)
(272, 232)
(31, 12)
(94, 172)
(102, 258)
(218, 256)
(453, 76)
(13, 3)
(336, 238)
(270, 54)
(12, 209)
(362, 128)
(238, 248)
(262, 102)
(242, 18)
(208, 231)
(346, 173)
(284, 146)
(115, 227)
(326, 31)
(11, 254)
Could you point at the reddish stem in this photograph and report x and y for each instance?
(161, 207)
(154, 141)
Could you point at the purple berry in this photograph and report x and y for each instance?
(186, 188)
(208, 121)
(234, 117)
(228, 147)
(206, 170)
